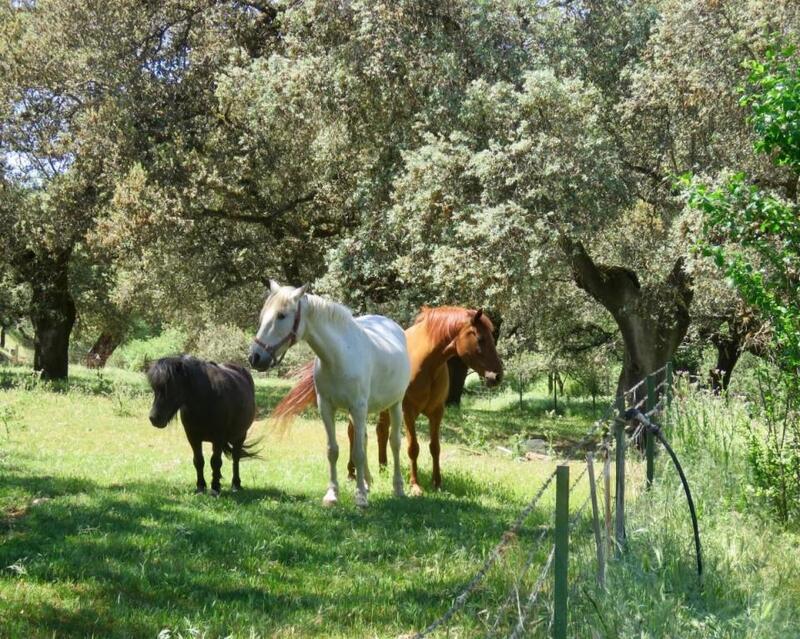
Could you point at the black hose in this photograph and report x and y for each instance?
(635, 413)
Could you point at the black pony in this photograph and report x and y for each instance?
(217, 404)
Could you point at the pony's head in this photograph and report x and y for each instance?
(280, 325)
(474, 344)
(167, 378)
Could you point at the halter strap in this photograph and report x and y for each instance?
(291, 338)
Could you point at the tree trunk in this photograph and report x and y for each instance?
(52, 314)
(652, 322)
(102, 349)
(728, 351)
(458, 374)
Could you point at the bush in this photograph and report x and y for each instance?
(225, 343)
(136, 354)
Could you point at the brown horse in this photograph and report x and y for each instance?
(437, 335)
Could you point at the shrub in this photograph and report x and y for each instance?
(135, 355)
(225, 343)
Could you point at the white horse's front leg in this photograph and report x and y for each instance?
(328, 413)
(359, 415)
(396, 418)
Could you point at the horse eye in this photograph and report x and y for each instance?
(281, 316)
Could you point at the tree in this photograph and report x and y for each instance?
(89, 91)
(753, 235)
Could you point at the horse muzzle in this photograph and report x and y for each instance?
(158, 423)
(492, 378)
(261, 362)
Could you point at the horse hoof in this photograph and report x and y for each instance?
(383, 468)
(199, 491)
(351, 478)
(416, 490)
(399, 492)
(361, 500)
(214, 492)
(235, 489)
(330, 498)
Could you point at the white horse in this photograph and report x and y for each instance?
(362, 366)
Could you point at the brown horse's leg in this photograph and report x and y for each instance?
(216, 469)
(413, 449)
(351, 467)
(236, 483)
(382, 431)
(435, 421)
(197, 449)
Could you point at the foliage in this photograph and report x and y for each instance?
(136, 354)
(225, 343)
(753, 235)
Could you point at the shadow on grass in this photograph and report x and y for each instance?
(142, 554)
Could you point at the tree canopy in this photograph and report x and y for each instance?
(163, 160)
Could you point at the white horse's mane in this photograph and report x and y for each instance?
(323, 308)
(330, 310)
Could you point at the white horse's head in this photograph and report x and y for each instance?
(281, 324)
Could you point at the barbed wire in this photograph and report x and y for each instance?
(512, 532)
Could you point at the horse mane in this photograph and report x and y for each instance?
(443, 322)
(330, 310)
(161, 372)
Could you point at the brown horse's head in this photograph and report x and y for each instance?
(474, 344)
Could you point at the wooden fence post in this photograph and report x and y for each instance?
(607, 497)
(601, 564)
(668, 388)
(561, 559)
(619, 528)
(649, 442)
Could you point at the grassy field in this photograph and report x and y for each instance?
(100, 535)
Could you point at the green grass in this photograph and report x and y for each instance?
(24, 348)
(751, 583)
(100, 534)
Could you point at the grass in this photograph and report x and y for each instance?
(751, 583)
(100, 535)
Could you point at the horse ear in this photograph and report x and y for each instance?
(274, 287)
(477, 317)
(299, 292)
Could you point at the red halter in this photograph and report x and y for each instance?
(291, 338)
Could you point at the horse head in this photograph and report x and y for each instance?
(474, 344)
(279, 327)
(167, 378)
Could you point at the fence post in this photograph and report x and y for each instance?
(668, 388)
(607, 497)
(649, 443)
(619, 528)
(601, 564)
(561, 559)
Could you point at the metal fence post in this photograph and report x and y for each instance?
(561, 560)
(649, 442)
(619, 528)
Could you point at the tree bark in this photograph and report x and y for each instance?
(458, 374)
(103, 348)
(652, 322)
(53, 315)
(729, 348)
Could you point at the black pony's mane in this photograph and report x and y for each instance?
(165, 370)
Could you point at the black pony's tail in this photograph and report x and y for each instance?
(250, 450)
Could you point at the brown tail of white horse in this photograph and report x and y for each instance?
(298, 399)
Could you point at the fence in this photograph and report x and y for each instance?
(608, 436)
